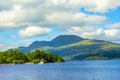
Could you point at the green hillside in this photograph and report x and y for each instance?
(72, 47)
(87, 50)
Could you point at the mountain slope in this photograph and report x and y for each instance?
(72, 47)
(58, 41)
(87, 48)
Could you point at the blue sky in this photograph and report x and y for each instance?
(25, 21)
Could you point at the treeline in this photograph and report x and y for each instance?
(17, 57)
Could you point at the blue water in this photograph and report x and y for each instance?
(72, 70)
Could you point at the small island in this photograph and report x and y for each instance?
(35, 57)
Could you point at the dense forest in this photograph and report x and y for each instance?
(17, 57)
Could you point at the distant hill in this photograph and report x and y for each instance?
(58, 41)
(87, 49)
(72, 47)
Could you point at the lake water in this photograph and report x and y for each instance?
(71, 70)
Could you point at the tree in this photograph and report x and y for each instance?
(17, 57)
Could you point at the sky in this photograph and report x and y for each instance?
(25, 21)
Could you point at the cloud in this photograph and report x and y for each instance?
(25, 42)
(60, 14)
(48, 13)
(112, 33)
(5, 4)
(19, 17)
(73, 19)
(100, 6)
(86, 31)
(4, 47)
(33, 31)
(80, 29)
(114, 25)
(94, 32)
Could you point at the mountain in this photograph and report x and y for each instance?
(72, 47)
(58, 41)
(87, 49)
(65, 40)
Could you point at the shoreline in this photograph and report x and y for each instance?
(14, 64)
(27, 63)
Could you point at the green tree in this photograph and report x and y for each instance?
(17, 57)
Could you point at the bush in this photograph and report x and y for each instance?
(17, 57)
(43, 60)
(9, 60)
(35, 61)
(17, 62)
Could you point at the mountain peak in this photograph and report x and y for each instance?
(66, 39)
(56, 42)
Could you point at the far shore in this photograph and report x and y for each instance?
(16, 64)
(24, 63)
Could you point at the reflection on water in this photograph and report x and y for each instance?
(72, 70)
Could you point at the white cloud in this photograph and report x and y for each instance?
(95, 19)
(49, 12)
(5, 4)
(112, 33)
(74, 19)
(114, 25)
(33, 31)
(8, 16)
(5, 47)
(58, 13)
(19, 16)
(56, 2)
(86, 31)
(80, 29)
(25, 42)
(23, 1)
(93, 32)
(65, 18)
(100, 6)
